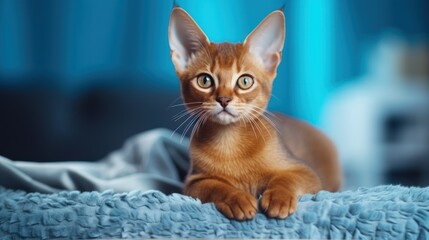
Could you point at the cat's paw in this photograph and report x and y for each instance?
(278, 203)
(238, 206)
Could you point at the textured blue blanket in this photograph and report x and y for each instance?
(385, 212)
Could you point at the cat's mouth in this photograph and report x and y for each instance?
(225, 117)
(224, 111)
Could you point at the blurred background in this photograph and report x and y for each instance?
(79, 77)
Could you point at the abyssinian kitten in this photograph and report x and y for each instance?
(237, 153)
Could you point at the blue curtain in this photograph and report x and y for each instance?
(75, 44)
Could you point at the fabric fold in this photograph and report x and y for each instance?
(153, 160)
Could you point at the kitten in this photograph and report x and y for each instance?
(237, 153)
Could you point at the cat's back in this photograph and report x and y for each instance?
(313, 147)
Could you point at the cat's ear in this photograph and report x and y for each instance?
(266, 41)
(185, 38)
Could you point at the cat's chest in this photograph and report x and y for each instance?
(235, 154)
(231, 144)
(245, 173)
(226, 151)
(245, 165)
(236, 158)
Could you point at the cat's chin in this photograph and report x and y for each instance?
(224, 118)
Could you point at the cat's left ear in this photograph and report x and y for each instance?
(266, 41)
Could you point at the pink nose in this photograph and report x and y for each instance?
(223, 101)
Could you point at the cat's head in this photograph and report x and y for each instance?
(226, 82)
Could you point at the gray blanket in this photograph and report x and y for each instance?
(152, 160)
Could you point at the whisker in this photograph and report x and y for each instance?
(266, 118)
(271, 123)
(242, 119)
(184, 113)
(196, 125)
(181, 111)
(252, 119)
(275, 97)
(265, 111)
(174, 101)
(206, 118)
(263, 124)
(180, 114)
(192, 114)
(258, 128)
(184, 104)
(257, 125)
(199, 124)
(250, 122)
(190, 123)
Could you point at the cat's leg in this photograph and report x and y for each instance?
(232, 202)
(279, 199)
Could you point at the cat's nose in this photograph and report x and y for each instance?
(223, 101)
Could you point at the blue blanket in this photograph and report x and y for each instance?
(385, 212)
(153, 160)
(72, 200)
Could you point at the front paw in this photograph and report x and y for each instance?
(238, 206)
(278, 203)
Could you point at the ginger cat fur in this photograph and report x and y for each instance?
(237, 153)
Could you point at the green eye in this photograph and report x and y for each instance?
(245, 82)
(205, 81)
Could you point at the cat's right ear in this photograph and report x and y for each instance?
(185, 38)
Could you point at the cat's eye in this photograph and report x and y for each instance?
(205, 81)
(245, 82)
